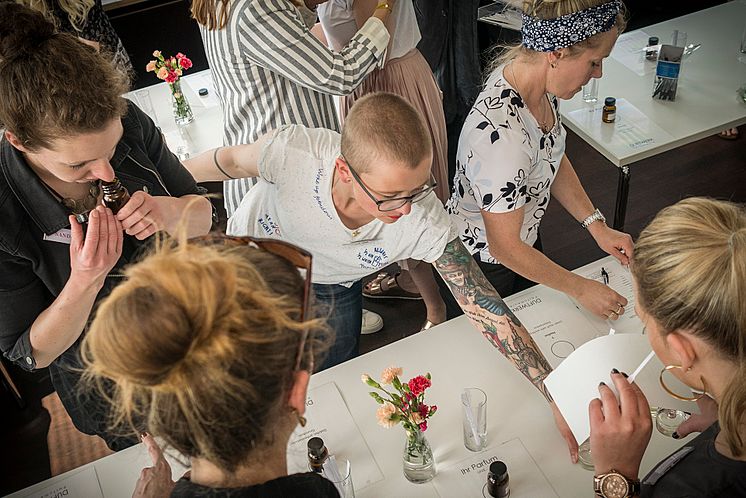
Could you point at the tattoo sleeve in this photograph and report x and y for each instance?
(490, 315)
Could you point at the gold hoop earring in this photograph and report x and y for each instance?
(678, 396)
(553, 65)
(302, 421)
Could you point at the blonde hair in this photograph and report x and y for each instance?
(690, 268)
(198, 346)
(550, 9)
(76, 10)
(384, 124)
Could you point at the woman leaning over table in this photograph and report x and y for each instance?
(690, 277)
(511, 155)
(220, 375)
(64, 131)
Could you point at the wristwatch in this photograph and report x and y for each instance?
(594, 216)
(615, 485)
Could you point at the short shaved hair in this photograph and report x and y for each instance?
(384, 125)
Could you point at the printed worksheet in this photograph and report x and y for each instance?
(556, 323)
(629, 50)
(200, 80)
(83, 484)
(331, 420)
(468, 477)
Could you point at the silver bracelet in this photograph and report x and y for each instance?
(595, 216)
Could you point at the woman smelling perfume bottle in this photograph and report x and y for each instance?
(115, 195)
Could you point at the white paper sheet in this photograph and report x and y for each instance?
(330, 419)
(83, 484)
(556, 324)
(468, 477)
(620, 279)
(628, 50)
(575, 382)
(203, 79)
(631, 130)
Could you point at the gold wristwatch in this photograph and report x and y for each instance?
(384, 5)
(615, 485)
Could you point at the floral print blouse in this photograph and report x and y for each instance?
(504, 162)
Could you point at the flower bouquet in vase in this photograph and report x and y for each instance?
(170, 70)
(405, 404)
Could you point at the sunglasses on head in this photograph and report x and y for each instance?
(296, 256)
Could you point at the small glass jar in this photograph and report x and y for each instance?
(609, 111)
(498, 481)
(651, 53)
(115, 195)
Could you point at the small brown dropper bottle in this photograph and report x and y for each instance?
(115, 195)
(498, 482)
(317, 454)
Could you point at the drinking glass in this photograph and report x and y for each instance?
(590, 91)
(743, 40)
(474, 418)
(145, 102)
(678, 38)
(341, 477)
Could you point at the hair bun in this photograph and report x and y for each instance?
(22, 30)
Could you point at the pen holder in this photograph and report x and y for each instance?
(667, 72)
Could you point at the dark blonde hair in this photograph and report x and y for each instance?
(551, 9)
(199, 344)
(76, 10)
(384, 124)
(51, 84)
(690, 269)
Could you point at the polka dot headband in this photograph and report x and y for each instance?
(547, 35)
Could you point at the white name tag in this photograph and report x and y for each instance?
(62, 235)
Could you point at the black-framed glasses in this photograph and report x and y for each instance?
(396, 202)
(296, 256)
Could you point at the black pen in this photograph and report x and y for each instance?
(605, 275)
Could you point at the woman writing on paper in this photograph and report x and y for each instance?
(511, 155)
(220, 374)
(690, 275)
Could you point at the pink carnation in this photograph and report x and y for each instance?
(150, 67)
(156, 53)
(185, 62)
(423, 426)
(180, 55)
(384, 413)
(172, 77)
(162, 73)
(423, 409)
(388, 374)
(418, 384)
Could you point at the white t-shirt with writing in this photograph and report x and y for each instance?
(292, 201)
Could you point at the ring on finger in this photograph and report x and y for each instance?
(619, 309)
(613, 313)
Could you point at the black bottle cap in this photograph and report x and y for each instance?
(653, 40)
(499, 470)
(203, 91)
(315, 446)
(610, 101)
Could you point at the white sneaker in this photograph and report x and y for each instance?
(372, 322)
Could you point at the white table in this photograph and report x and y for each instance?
(204, 133)
(706, 101)
(458, 357)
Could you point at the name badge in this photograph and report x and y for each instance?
(62, 235)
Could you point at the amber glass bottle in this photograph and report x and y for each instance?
(115, 195)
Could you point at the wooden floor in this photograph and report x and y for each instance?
(711, 167)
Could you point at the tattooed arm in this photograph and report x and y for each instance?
(490, 315)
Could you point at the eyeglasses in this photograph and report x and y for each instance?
(300, 258)
(396, 202)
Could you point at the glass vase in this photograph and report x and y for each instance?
(418, 462)
(182, 111)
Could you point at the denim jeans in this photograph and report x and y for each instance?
(343, 308)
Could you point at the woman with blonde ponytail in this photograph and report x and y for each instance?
(690, 274)
(217, 365)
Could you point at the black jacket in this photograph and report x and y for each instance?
(33, 270)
